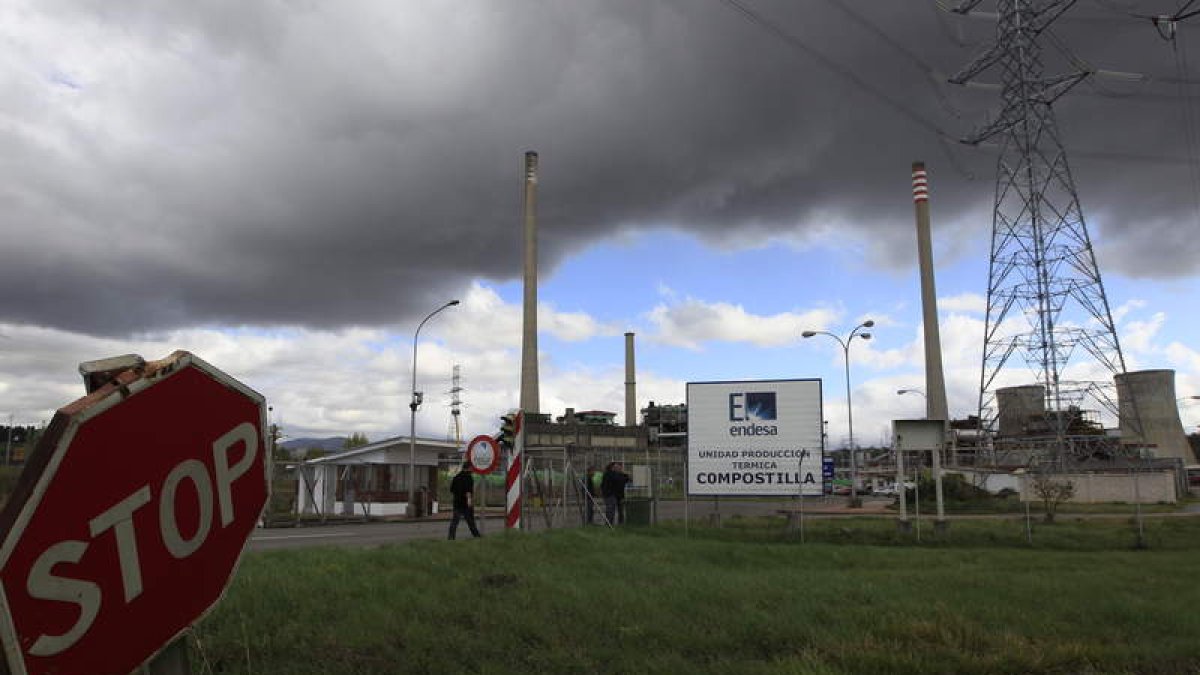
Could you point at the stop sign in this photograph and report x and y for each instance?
(130, 518)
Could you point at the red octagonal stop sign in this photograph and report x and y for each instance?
(130, 519)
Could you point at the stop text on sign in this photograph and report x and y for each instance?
(213, 497)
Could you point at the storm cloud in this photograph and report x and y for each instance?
(172, 165)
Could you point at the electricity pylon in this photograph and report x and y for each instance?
(1045, 299)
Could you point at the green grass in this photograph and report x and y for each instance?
(747, 598)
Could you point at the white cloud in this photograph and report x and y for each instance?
(1138, 336)
(323, 383)
(1126, 308)
(691, 323)
(571, 326)
(1183, 356)
(485, 321)
(963, 302)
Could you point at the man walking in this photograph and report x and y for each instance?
(463, 489)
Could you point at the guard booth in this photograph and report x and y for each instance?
(371, 481)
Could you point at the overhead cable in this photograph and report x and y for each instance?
(845, 73)
(930, 72)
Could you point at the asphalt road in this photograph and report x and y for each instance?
(379, 533)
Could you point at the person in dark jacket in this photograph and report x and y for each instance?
(589, 495)
(463, 489)
(612, 486)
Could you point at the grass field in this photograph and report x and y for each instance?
(747, 598)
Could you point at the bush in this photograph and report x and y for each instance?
(955, 488)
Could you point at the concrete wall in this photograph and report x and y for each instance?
(1091, 488)
(988, 480)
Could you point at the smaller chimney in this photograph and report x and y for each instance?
(630, 386)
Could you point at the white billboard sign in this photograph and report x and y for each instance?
(755, 438)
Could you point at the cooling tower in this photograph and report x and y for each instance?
(530, 400)
(1021, 410)
(630, 386)
(1151, 395)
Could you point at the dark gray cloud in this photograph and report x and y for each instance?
(329, 164)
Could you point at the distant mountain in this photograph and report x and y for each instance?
(298, 446)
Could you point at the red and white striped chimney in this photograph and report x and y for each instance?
(935, 379)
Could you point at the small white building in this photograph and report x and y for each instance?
(371, 480)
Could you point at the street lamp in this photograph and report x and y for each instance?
(849, 408)
(412, 420)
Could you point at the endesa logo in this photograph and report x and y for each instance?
(753, 407)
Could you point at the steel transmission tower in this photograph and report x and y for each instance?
(1045, 300)
(456, 389)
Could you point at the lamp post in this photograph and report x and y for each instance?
(849, 408)
(412, 420)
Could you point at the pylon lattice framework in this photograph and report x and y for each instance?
(1045, 298)
(456, 389)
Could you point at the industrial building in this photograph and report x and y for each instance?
(666, 426)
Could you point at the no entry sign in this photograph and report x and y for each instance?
(483, 454)
(130, 519)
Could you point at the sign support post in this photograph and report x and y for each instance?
(515, 475)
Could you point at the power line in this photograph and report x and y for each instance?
(1189, 117)
(939, 15)
(972, 13)
(940, 134)
(924, 66)
(1165, 24)
(831, 65)
(1167, 27)
(846, 73)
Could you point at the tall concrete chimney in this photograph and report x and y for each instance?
(530, 401)
(630, 386)
(935, 379)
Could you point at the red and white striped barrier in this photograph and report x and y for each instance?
(512, 480)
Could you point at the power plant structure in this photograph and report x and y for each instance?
(530, 399)
(1046, 304)
(1152, 393)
